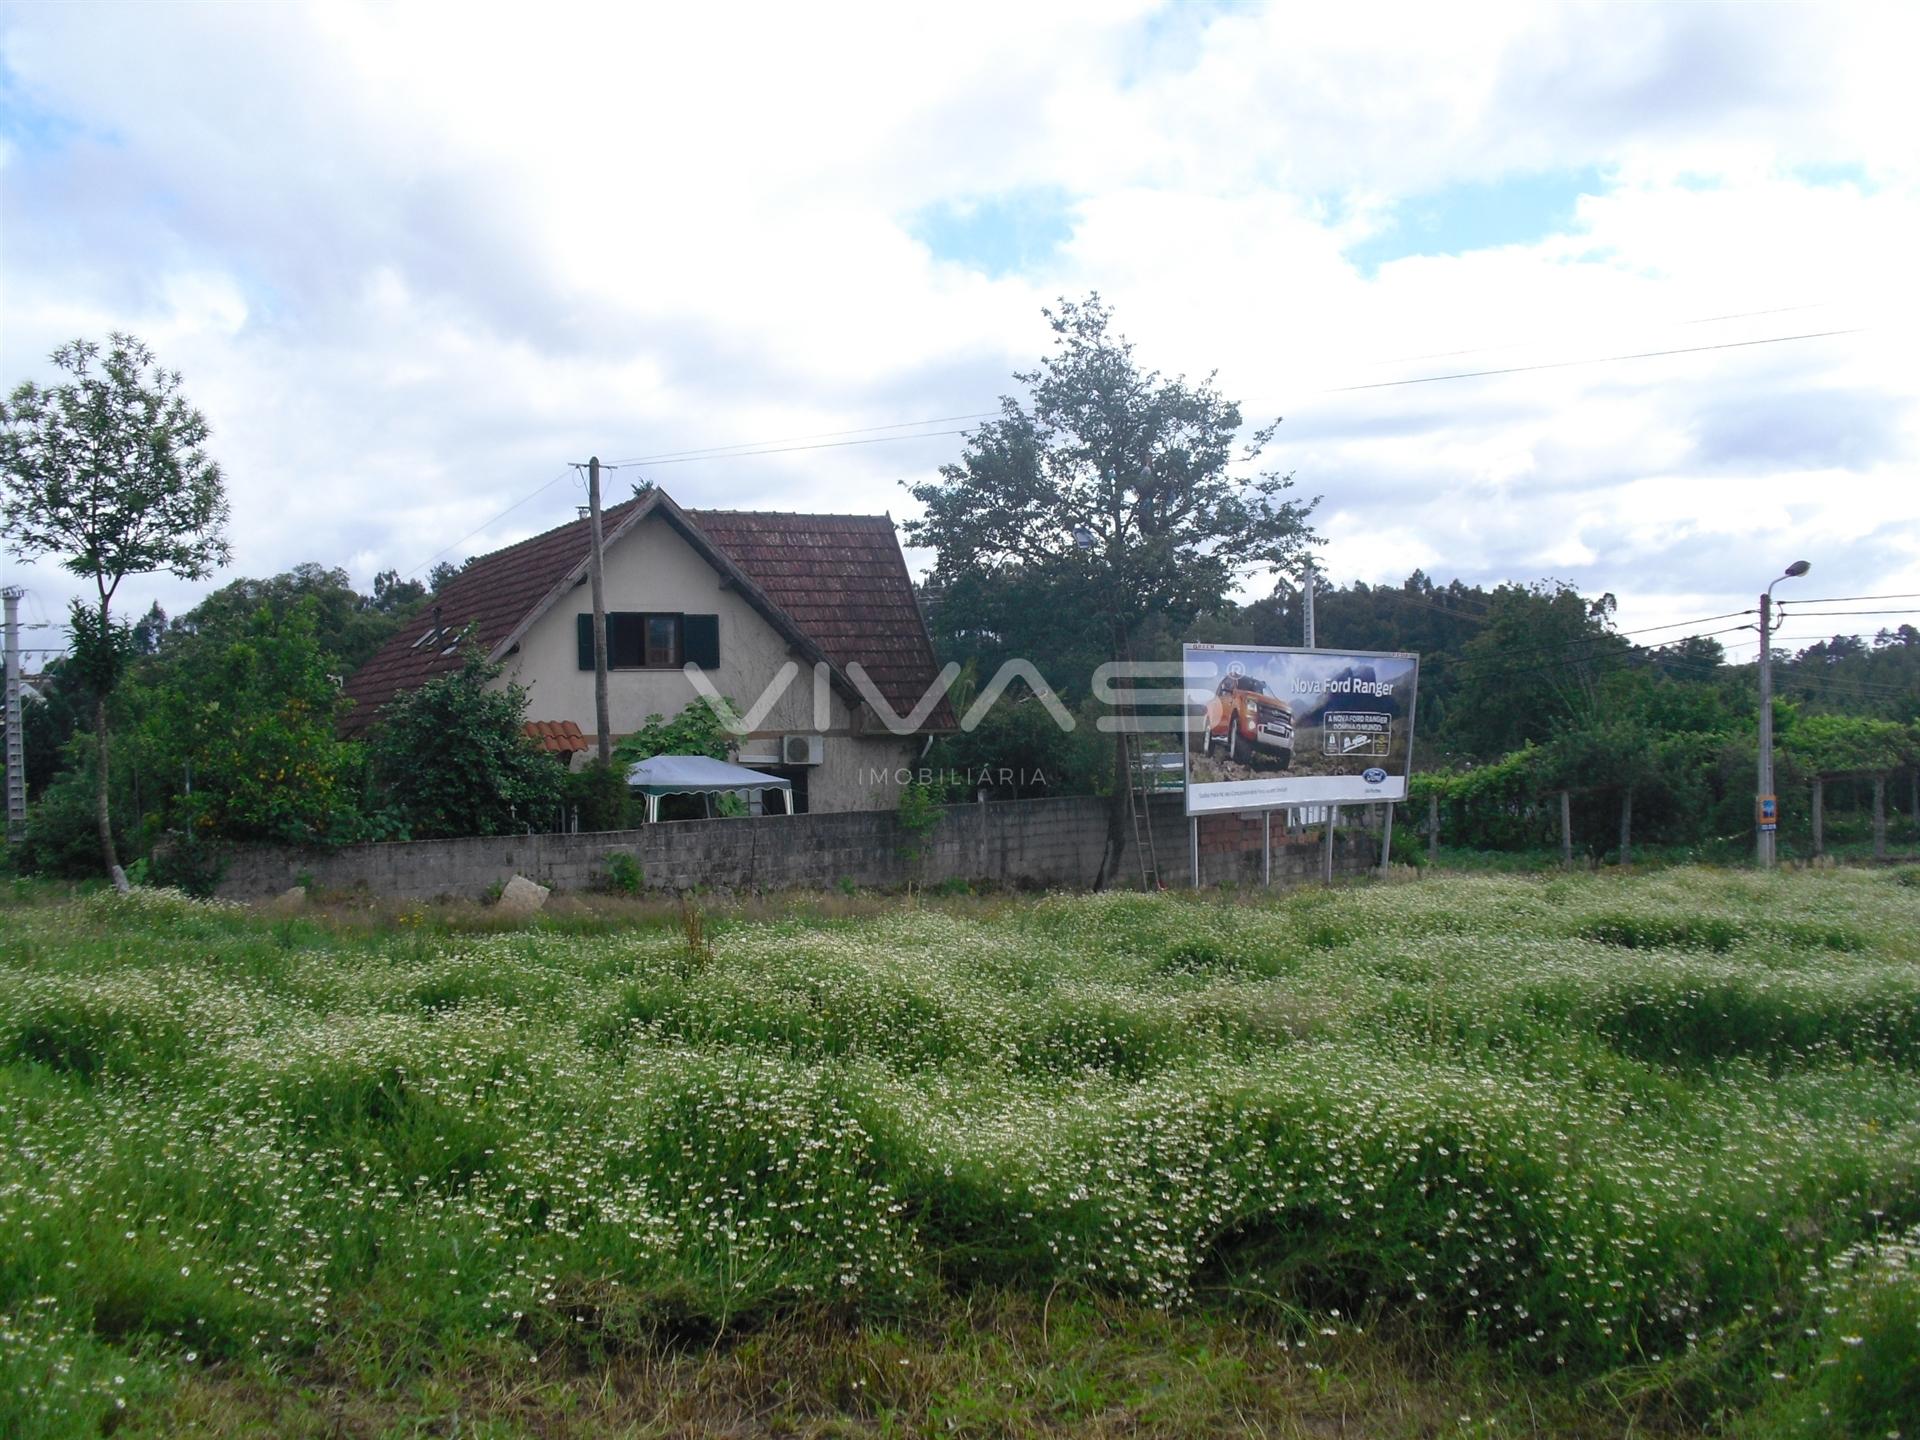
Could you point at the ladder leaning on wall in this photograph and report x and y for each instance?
(1139, 793)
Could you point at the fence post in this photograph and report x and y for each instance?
(1433, 829)
(1879, 817)
(1626, 826)
(1566, 830)
(1819, 816)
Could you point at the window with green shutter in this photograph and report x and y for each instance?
(653, 640)
(702, 636)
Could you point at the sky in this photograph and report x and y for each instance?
(413, 260)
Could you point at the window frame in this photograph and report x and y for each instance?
(642, 621)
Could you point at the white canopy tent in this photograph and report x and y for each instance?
(699, 775)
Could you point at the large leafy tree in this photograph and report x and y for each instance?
(1111, 496)
(109, 471)
(452, 758)
(251, 719)
(348, 626)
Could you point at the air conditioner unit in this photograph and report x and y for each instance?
(802, 749)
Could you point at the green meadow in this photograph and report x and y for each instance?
(1474, 1155)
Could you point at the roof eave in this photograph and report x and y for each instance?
(690, 531)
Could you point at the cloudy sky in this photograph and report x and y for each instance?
(414, 259)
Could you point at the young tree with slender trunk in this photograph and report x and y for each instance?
(109, 471)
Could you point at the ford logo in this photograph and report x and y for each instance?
(1375, 776)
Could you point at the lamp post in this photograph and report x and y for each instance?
(1766, 805)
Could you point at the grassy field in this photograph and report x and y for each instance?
(1475, 1155)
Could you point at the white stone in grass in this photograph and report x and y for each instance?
(522, 897)
(289, 902)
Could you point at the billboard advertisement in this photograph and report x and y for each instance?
(1270, 726)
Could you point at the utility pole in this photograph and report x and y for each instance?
(16, 742)
(602, 719)
(1766, 804)
(1307, 602)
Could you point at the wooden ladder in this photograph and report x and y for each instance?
(1139, 795)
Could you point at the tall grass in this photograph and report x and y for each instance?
(1646, 1127)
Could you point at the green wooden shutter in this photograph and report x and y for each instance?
(586, 642)
(700, 640)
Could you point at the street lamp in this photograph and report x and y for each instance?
(1766, 805)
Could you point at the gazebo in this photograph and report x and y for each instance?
(698, 775)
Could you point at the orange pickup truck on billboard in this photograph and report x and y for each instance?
(1249, 724)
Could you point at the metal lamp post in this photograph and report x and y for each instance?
(1766, 805)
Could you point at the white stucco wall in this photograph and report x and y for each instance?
(652, 568)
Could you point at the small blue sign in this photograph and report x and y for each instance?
(1374, 776)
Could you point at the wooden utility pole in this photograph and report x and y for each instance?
(602, 720)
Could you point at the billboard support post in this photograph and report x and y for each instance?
(1193, 849)
(1266, 848)
(1386, 841)
(1326, 844)
(1566, 831)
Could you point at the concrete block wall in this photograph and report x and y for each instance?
(1053, 843)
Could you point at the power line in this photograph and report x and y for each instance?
(1602, 637)
(1522, 344)
(485, 524)
(1837, 599)
(1810, 614)
(1594, 360)
(1484, 667)
(787, 449)
(742, 450)
(703, 450)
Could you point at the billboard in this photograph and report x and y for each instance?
(1270, 726)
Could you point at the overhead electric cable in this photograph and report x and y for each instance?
(1593, 360)
(1838, 599)
(787, 449)
(486, 524)
(1523, 344)
(1810, 614)
(700, 450)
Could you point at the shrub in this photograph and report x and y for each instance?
(598, 794)
(624, 873)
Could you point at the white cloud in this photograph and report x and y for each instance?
(413, 262)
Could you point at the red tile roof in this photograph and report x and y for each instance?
(556, 737)
(836, 583)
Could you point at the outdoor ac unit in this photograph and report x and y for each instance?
(802, 749)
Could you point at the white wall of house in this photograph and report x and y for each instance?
(652, 568)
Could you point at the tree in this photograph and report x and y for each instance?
(253, 718)
(1138, 467)
(1533, 667)
(349, 626)
(453, 757)
(109, 471)
(394, 596)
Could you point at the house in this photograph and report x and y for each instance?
(740, 596)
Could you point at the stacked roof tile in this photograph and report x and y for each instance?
(556, 737)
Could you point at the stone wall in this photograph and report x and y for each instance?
(1026, 843)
